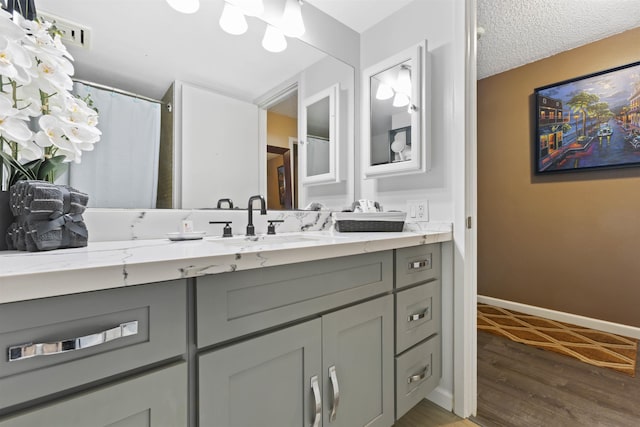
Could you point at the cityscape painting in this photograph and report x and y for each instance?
(590, 122)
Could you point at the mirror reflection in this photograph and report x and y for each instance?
(203, 156)
(391, 107)
(318, 137)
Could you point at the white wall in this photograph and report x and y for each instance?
(442, 24)
(219, 148)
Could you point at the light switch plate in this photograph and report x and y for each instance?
(417, 210)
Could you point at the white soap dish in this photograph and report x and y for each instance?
(187, 235)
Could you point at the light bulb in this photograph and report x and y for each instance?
(250, 7)
(384, 91)
(400, 100)
(292, 24)
(274, 40)
(404, 80)
(232, 20)
(185, 6)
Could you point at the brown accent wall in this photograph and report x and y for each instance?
(280, 128)
(567, 242)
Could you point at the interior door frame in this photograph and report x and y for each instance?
(264, 103)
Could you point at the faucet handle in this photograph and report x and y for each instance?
(226, 231)
(271, 229)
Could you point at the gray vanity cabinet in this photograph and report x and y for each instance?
(335, 370)
(158, 399)
(265, 381)
(357, 356)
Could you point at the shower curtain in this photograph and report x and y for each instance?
(122, 170)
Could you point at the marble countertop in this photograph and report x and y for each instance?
(104, 265)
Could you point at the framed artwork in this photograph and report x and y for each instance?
(400, 144)
(281, 184)
(589, 122)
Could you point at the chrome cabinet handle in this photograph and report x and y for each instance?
(316, 398)
(27, 351)
(336, 393)
(415, 265)
(418, 316)
(419, 376)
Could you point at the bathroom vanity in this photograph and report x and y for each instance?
(295, 329)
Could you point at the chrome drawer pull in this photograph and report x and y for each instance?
(336, 393)
(415, 265)
(316, 398)
(27, 351)
(418, 316)
(419, 376)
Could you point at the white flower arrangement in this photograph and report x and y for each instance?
(42, 125)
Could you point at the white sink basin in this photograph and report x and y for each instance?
(273, 240)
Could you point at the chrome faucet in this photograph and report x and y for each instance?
(251, 230)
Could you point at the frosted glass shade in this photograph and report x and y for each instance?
(274, 40)
(404, 80)
(292, 24)
(384, 92)
(232, 20)
(400, 100)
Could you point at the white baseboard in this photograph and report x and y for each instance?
(442, 398)
(574, 319)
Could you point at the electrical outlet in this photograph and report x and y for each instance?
(417, 210)
(71, 32)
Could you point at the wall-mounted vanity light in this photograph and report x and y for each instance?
(233, 19)
(399, 89)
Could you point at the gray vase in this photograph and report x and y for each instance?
(6, 218)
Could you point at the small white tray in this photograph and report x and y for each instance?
(193, 235)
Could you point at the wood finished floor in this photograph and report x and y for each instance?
(519, 385)
(428, 414)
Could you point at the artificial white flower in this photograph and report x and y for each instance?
(12, 126)
(35, 81)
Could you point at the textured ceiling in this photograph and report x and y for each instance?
(518, 32)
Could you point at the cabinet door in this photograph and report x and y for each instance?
(157, 399)
(357, 365)
(265, 381)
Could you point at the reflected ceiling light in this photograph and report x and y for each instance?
(274, 40)
(401, 100)
(250, 7)
(404, 80)
(384, 91)
(292, 24)
(185, 6)
(232, 20)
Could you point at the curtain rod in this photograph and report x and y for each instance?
(120, 91)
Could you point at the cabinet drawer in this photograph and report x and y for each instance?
(230, 305)
(418, 314)
(76, 321)
(417, 264)
(156, 399)
(418, 372)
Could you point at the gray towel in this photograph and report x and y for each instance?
(48, 216)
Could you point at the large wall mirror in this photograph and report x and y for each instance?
(395, 124)
(145, 47)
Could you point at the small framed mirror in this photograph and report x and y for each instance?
(319, 146)
(395, 127)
